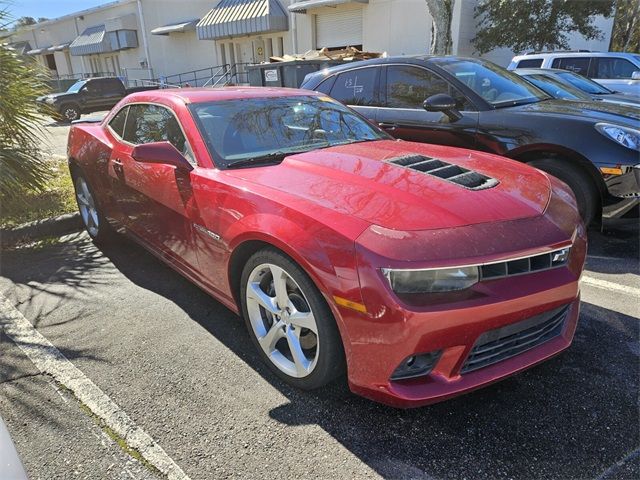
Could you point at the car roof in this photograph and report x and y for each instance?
(409, 59)
(199, 95)
(574, 54)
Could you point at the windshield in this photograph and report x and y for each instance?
(497, 86)
(583, 83)
(237, 130)
(75, 88)
(556, 88)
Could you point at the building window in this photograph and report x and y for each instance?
(281, 46)
(50, 61)
(223, 54)
(232, 53)
(268, 45)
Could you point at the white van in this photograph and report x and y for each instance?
(615, 70)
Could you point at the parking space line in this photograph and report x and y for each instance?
(48, 359)
(606, 285)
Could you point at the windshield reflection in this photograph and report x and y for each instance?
(243, 129)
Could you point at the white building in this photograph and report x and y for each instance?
(143, 39)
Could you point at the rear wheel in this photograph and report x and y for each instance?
(70, 112)
(579, 181)
(289, 322)
(94, 222)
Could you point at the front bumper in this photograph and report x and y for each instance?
(624, 192)
(455, 332)
(395, 328)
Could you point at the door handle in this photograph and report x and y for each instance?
(117, 167)
(388, 126)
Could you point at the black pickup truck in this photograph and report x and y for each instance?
(86, 96)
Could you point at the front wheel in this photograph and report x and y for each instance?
(289, 321)
(579, 182)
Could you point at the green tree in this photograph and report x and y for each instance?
(21, 164)
(626, 27)
(536, 24)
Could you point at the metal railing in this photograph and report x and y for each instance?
(195, 78)
(216, 76)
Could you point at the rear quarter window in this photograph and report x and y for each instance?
(117, 122)
(530, 63)
(356, 87)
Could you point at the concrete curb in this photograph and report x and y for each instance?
(49, 227)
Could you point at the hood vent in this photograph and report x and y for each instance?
(446, 171)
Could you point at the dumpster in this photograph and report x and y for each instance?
(286, 74)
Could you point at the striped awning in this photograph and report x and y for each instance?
(90, 41)
(21, 48)
(38, 51)
(302, 7)
(180, 27)
(232, 18)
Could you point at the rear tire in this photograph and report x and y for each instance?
(579, 181)
(289, 321)
(93, 220)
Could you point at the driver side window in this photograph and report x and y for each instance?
(408, 87)
(148, 123)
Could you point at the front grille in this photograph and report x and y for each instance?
(445, 171)
(497, 345)
(536, 263)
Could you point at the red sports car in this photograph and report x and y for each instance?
(421, 271)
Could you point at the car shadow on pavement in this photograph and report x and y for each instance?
(571, 417)
(77, 265)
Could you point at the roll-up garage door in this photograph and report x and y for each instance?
(342, 28)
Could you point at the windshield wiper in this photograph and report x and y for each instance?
(272, 158)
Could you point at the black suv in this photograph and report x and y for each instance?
(475, 104)
(86, 96)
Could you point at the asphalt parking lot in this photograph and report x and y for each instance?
(182, 368)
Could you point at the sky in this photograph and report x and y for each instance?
(47, 8)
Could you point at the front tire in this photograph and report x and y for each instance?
(92, 218)
(579, 182)
(289, 321)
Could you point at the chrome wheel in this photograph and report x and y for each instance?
(87, 206)
(282, 320)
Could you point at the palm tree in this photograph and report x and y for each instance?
(22, 167)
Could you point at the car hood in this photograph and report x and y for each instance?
(621, 98)
(55, 96)
(358, 181)
(598, 111)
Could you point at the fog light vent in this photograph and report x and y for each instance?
(416, 365)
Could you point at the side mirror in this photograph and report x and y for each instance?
(635, 75)
(441, 102)
(161, 152)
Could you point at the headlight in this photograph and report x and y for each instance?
(625, 136)
(428, 281)
(50, 100)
